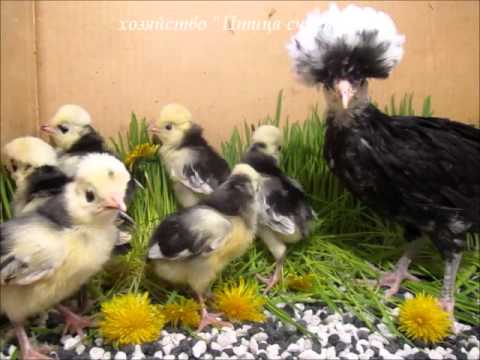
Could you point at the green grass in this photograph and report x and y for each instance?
(348, 249)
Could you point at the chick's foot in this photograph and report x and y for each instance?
(74, 322)
(211, 319)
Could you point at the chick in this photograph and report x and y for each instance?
(71, 133)
(193, 245)
(194, 167)
(284, 213)
(48, 254)
(32, 163)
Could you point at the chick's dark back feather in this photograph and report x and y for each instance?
(46, 181)
(91, 142)
(209, 165)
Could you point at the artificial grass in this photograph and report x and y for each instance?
(346, 252)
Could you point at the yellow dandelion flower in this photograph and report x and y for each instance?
(131, 319)
(300, 282)
(240, 302)
(422, 318)
(140, 151)
(185, 312)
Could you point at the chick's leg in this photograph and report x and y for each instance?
(393, 279)
(73, 321)
(209, 318)
(447, 297)
(278, 250)
(27, 350)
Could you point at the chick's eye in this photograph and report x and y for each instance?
(14, 166)
(62, 128)
(279, 147)
(168, 126)
(89, 195)
(27, 167)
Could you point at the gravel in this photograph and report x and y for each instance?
(336, 336)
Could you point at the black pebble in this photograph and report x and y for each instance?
(128, 349)
(460, 354)
(333, 339)
(183, 346)
(215, 353)
(347, 319)
(323, 315)
(362, 334)
(149, 348)
(358, 323)
(229, 352)
(393, 347)
(340, 347)
(65, 354)
(421, 356)
(376, 351)
(262, 356)
(316, 346)
(262, 346)
(49, 338)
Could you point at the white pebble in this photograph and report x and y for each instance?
(377, 344)
(307, 315)
(224, 355)
(272, 351)
(367, 355)
(99, 341)
(309, 355)
(120, 355)
(199, 349)
(167, 349)
(80, 349)
(72, 342)
(300, 306)
(169, 357)
(330, 319)
(240, 350)
(293, 348)
(216, 346)
(138, 353)
(345, 338)
(473, 354)
(350, 356)
(183, 356)
(227, 338)
(395, 311)
(330, 353)
(253, 346)
(107, 355)
(435, 355)
(207, 356)
(407, 296)
(378, 337)
(158, 354)
(261, 336)
(96, 353)
(65, 338)
(388, 355)
(248, 356)
(304, 344)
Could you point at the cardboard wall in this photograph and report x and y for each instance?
(84, 55)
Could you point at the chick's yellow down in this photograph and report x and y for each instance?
(193, 246)
(48, 254)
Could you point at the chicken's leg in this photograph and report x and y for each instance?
(73, 321)
(393, 279)
(279, 251)
(209, 318)
(447, 297)
(27, 350)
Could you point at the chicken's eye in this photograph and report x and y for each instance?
(28, 166)
(262, 145)
(279, 147)
(14, 166)
(62, 128)
(89, 195)
(168, 126)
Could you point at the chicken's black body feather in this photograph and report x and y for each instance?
(46, 181)
(421, 172)
(91, 142)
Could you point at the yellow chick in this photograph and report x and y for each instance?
(284, 212)
(48, 254)
(195, 168)
(32, 163)
(193, 245)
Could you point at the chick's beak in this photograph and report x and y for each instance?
(47, 128)
(115, 201)
(153, 128)
(346, 91)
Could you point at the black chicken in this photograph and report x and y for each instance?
(422, 172)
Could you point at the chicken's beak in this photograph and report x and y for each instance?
(346, 91)
(115, 201)
(47, 128)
